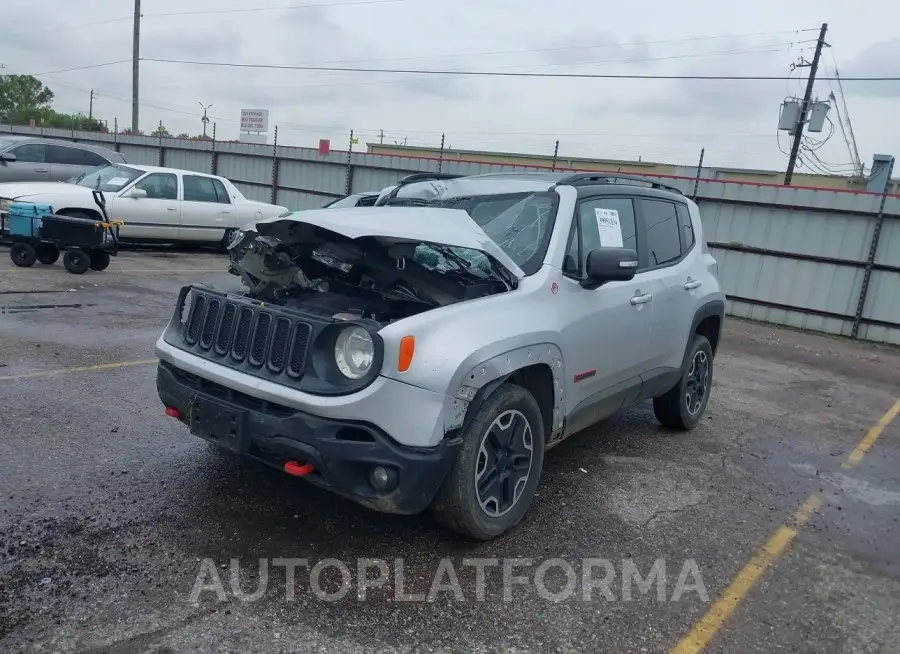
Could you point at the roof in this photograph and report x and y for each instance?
(41, 139)
(526, 182)
(157, 169)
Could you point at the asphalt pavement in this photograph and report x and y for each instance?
(769, 528)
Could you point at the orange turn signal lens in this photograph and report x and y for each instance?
(407, 349)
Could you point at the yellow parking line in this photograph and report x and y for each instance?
(63, 371)
(709, 625)
(871, 436)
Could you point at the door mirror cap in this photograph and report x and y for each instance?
(136, 193)
(7, 156)
(610, 265)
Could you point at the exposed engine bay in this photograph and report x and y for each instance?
(296, 264)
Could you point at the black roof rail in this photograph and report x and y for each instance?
(423, 177)
(611, 178)
(412, 179)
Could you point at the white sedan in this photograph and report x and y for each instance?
(156, 204)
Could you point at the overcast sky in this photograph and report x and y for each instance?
(657, 120)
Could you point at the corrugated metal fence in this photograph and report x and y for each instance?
(811, 258)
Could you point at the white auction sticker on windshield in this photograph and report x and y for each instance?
(118, 181)
(609, 227)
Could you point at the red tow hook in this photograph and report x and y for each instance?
(297, 469)
(172, 412)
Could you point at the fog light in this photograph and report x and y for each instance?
(382, 479)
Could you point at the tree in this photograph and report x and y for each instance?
(160, 132)
(21, 95)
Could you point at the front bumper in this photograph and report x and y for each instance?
(341, 452)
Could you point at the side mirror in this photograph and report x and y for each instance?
(7, 156)
(610, 265)
(136, 193)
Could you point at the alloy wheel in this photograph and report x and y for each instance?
(504, 463)
(697, 384)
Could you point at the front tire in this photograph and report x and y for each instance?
(77, 261)
(23, 254)
(493, 481)
(683, 406)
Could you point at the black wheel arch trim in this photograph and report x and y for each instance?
(711, 308)
(481, 396)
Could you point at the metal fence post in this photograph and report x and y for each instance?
(699, 172)
(555, 155)
(275, 168)
(161, 155)
(870, 261)
(116, 146)
(348, 179)
(214, 160)
(441, 157)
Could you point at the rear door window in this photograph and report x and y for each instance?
(204, 189)
(662, 230)
(60, 154)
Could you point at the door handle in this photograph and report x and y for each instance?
(641, 299)
(691, 284)
(225, 211)
(171, 209)
(42, 170)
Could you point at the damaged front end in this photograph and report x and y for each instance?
(308, 267)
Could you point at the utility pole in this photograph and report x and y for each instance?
(205, 118)
(804, 108)
(135, 65)
(91, 108)
(381, 137)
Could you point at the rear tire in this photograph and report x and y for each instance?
(77, 261)
(683, 406)
(47, 253)
(497, 470)
(226, 239)
(99, 260)
(23, 254)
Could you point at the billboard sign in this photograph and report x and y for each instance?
(255, 120)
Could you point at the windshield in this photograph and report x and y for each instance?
(5, 143)
(520, 223)
(108, 179)
(348, 201)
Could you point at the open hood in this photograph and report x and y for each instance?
(384, 262)
(451, 227)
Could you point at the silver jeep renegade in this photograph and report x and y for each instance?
(425, 352)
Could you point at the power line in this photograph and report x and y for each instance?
(500, 73)
(761, 49)
(69, 70)
(205, 12)
(120, 19)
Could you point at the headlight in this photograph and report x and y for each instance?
(354, 352)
